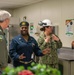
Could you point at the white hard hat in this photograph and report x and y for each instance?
(47, 22)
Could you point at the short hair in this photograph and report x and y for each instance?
(4, 15)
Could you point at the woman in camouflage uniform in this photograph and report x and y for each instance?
(49, 40)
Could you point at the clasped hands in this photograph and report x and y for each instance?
(55, 38)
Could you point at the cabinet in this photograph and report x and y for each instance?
(66, 55)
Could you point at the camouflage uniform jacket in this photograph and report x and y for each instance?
(51, 58)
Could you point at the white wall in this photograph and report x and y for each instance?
(56, 10)
(9, 10)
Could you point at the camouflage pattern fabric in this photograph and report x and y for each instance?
(51, 58)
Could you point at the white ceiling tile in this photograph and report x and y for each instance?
(16, 3)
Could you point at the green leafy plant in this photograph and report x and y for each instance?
(12, 71)
(39, 69)
(35, 69)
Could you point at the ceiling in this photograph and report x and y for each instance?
(6, 4)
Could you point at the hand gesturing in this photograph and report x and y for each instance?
(22, 56)
(46, 51)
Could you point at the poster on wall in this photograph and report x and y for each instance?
(31, 28)
(69, 27)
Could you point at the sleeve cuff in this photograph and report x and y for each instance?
(17, 57)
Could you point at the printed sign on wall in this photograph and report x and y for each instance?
(69, 27)
(31, 28)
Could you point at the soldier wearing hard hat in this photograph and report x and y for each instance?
(49, 40)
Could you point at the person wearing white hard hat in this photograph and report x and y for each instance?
(49, 40)
(4, 22)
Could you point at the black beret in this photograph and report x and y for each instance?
(24, 23)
